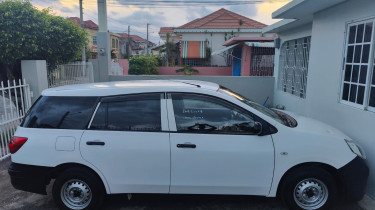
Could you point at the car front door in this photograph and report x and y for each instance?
(128, 142)
(215, 148)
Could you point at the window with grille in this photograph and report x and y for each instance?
(358, 79)
(94, 41)
(293, 66)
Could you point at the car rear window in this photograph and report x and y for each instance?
(57, 112)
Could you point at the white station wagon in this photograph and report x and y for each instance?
(179, 137)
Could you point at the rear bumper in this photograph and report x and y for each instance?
(354, 177)
(29, 178)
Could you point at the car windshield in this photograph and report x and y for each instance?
(276, 115)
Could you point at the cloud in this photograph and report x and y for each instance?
(245, 10)
(121, 15)
(198, 13)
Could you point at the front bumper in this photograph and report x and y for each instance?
(354, 177)
(29, 178)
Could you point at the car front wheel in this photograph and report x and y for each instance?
(309, 188)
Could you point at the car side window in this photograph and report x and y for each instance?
(132, 113)
(203, 114)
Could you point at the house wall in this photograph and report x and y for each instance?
(249, 87)
(216, 41)
(324, 79)
(290, 102)
(202, 71)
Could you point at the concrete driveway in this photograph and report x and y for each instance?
(11, 198)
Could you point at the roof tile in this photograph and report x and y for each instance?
(223, 19)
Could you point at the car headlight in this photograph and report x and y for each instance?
(356, 148)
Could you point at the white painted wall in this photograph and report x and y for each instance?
(291, 102)
(324, 78)
(216, 41)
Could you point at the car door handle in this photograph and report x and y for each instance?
(186, 146)
(100, 143)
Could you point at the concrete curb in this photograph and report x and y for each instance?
(367, 203)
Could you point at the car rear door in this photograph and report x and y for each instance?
(128, 142)
(215, 148)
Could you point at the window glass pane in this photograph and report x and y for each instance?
(368, 32)
(361, 93)
(348, 73)
(352, 34)
(365, 53)
(359, 38)
(134, 115)
(373, 76)
(357, 54)
(349, 54)
(372, 97)
(353, 93)
(355, 73)
(362, 77)
(200, 114)
(99, 121)
(60, 112)
(345, 92)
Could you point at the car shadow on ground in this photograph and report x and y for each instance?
(11, 198)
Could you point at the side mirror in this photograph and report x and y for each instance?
(258, 128)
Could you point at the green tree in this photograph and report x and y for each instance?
(171, 50)
(188, 70)
(31, 34)
(143, 65)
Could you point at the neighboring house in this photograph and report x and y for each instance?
(137, 45)
(92, 28)
(325, 66)
(173, 37)
(115, 44)
(200, 37)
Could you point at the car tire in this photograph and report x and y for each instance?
(78, 188)
(309, 188)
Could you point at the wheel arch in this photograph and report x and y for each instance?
(64, 166)
(330, 169)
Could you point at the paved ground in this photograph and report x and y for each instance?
(15, 199)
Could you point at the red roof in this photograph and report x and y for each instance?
(165, 30)
(223, 19)
(235, 40)
(86, 24)
(134, 37)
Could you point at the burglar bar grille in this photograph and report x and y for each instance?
(293, 66)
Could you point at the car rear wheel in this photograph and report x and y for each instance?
(78, 188)
(309, 188)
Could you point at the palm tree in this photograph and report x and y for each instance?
(188, 70)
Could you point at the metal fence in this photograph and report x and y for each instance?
(71, 73)
(15, 100)
(262, 61)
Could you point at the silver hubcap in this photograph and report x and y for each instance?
(310, 194)
(76, 194)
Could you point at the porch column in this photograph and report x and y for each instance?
(103, 37)
(246, 59)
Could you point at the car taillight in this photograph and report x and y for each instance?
(16, 143)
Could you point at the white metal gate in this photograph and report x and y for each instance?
(15, 101)
(71, 73)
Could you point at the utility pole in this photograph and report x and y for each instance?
(147, 38)
(128, 43)
(82, 26)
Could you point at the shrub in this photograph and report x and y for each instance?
(143, 65)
